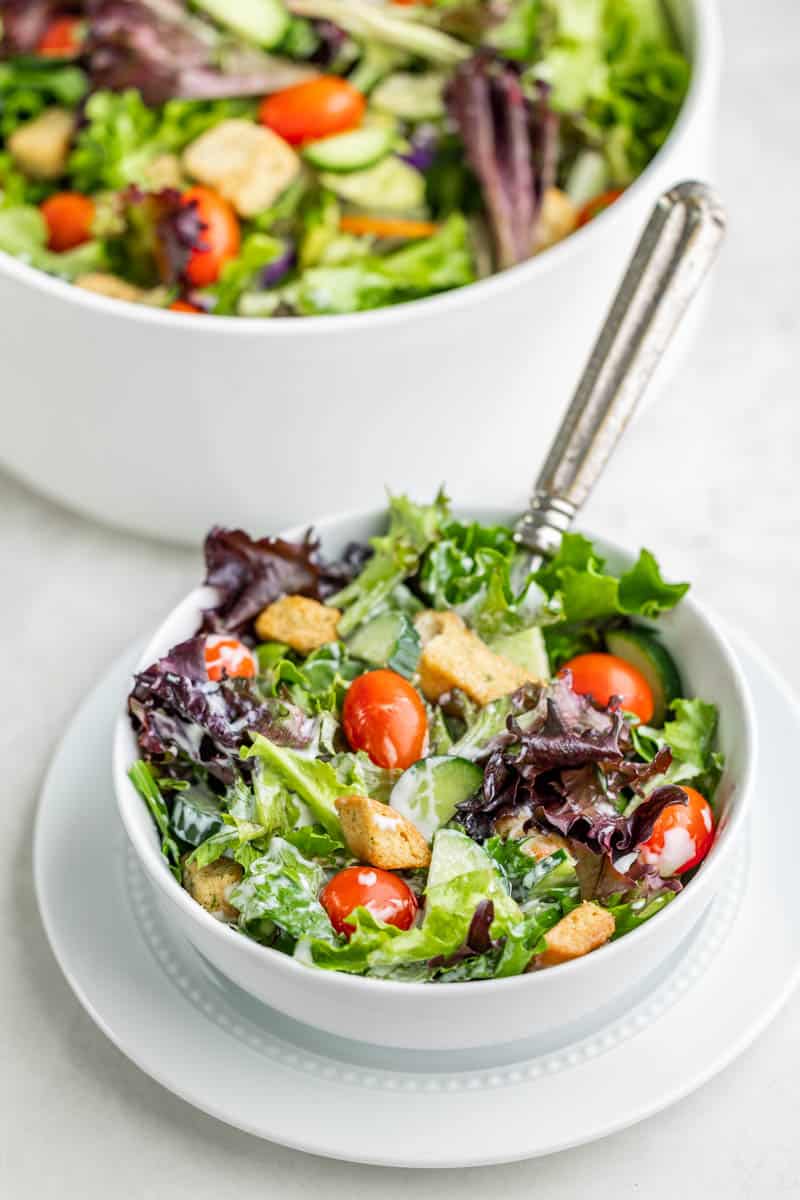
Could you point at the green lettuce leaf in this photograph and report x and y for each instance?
(633, 913)
(142, 778)
(257, 251)
(29, 85)
(23, 233)
(412, 529)
(313, 780)
(433, 264)
(690, 736)
(282, 887)
(122, 135)
(319, 683)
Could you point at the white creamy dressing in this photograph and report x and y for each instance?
(679, 848)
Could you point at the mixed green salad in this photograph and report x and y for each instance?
(422, 761)
(298, 157)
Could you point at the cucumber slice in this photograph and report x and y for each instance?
(645, 652)
(388, 640)
(455, 854)
(352, 151)
(429, 791)
(264, 22)
(411, 97)
(390, 186)
(588, 178)
(526, 649)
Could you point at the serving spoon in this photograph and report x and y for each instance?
(676, 250)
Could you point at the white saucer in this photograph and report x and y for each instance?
(214, 1046)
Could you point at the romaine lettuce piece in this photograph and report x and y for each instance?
(282, 886)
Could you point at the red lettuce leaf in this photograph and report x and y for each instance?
(564, 762)
(182, 717)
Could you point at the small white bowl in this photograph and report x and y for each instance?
(461, 1015)
(165, 423)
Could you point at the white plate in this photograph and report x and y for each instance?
(220, 1050)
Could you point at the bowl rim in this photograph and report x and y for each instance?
(264, 957)
(704, 82)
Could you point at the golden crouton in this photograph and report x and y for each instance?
(454, 657)
(557, 220)
(104, 284)
(379, 835)
(303, 624)
(164, 171)
(540, 845)
(579, 932)
(40, 147)
(210, 885)
(248, 163)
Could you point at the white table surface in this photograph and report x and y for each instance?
(708, 478)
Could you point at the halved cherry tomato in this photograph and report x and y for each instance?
(221, 237)
(384, 715)
(312, 110)
(184, 306)
(228, 656)
(386, 227)
(682, 836)
(62, 38)
(602, 676)
(386, 896)
(597, 205)
(69, 217)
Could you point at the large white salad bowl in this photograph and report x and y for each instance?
(164, 423)
(461, 1015)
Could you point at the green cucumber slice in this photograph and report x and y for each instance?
(645, 652)
(390, 186)
(264, 22)
(352, 151)
(454, 854)
(388, 640)
(431, 789)
(526, 649)
(411, 97)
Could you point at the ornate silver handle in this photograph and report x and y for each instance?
(678, 246)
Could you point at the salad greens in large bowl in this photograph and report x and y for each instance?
(315, 157)
(417, 763)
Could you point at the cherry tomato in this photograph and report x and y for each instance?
(384, 715)
(184, 306)
(69, 217)
(312, 110)
(386, 896)
(227, 656)
(598, 204)
(62, 38)
(220, 237)
(602, 676)
(682, 836)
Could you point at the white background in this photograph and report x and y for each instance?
(708, 479)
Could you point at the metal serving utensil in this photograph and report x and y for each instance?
(676, 250)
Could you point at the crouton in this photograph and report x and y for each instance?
(379, 835)
(557, 219)
(210, 885)
(164, 172)
(579, 932)
(454, 657)
(110, 285)
(40, 147)
(541, 845)
(249, 164)
(303, 624)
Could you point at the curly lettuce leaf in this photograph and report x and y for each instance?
(582, 595)
(689, 735)
(633, 913)
(29, 85)
(615, 70)
(122, 135)
(396, 555)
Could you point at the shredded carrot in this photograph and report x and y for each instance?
(386, 227)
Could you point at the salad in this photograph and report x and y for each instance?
(271, 158)
(421, 761)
